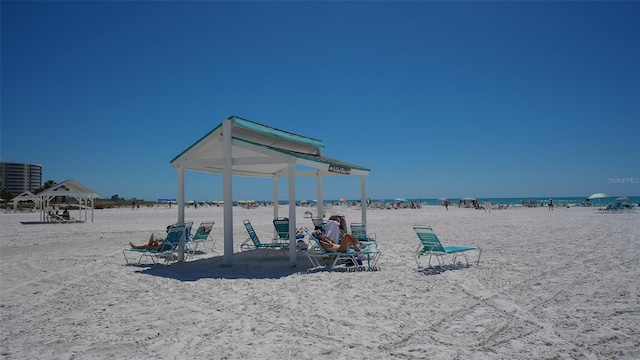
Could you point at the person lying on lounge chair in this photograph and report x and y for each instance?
(154, 243)
(332, 246)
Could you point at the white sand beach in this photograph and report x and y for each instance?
(562, 284)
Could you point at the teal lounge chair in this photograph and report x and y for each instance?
(201, 236)
(282, 229)
(166, 251)
(431, 245)
(318, 223)
(320, 257)
(254, 243)
(359, 231)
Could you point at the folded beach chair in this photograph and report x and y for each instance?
(431, 245)
(254, 243)
(201, 236)
(169, 246)
(320, 257)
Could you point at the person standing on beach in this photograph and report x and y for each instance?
(446, 204)
(487, 205)
(550, 204)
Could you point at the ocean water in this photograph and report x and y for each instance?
(516, 201)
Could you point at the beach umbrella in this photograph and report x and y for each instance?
(401, 200)
(623, 198)
(598, 196)
(468, 198)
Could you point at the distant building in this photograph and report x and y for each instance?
(20, 177)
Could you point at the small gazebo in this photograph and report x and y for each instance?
(245, 148)
(26, 196)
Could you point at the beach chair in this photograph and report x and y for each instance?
(318, 223)
(320, 257)
(166, 251)
(254, 243)
(201, 236)
(360, 233)
(188, 225)
(282, 229)
(431, 245)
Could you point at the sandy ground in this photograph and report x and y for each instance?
(560, 284)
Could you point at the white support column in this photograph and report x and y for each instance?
(320, 203)
(292, 213)
(275, 201)
(227, 179)
(181, 211)
(363, 200)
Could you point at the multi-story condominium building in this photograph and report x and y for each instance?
(20, 177)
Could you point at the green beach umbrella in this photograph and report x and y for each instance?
(598, 196)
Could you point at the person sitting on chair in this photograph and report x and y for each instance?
(65, 214)
(335, 227)
(154, 243)
(332, 246)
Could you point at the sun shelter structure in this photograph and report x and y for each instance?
(27, 196)
(70, 188)
(240, 147)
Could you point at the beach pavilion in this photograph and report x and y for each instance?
(70, 188)
(242, 147)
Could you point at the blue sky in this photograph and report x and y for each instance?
(438, 99)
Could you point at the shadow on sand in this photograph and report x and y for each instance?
(246, 265)
(435, 270)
